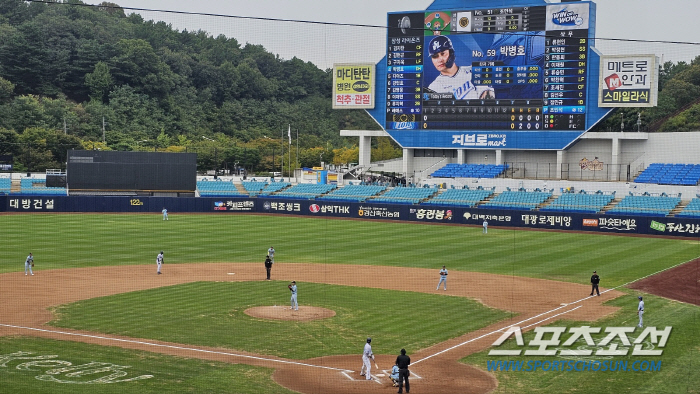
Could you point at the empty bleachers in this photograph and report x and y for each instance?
(692, 210)
(5, 185)
(459, 197)
(453, 170)
(353, 193)
(517, 200)
(645, 205)
(273, 187)
(670, 174)
(217, 188)
(579, 202)
(304, 191)
(37, 187)
(404, 195)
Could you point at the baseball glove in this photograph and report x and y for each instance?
(32, 265)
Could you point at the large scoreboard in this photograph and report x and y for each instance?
(485, 77)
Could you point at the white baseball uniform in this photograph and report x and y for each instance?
(366, 357)
(271, 253)
(159, 261)
(459, 84)
(640, 311)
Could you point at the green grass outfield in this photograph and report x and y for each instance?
(84, 240)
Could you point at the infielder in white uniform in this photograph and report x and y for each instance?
(367, 355)
(28, 264)
(293, 288)
(271, 253)
(454, 79)
(159, 261)
(640, 312)
(443, 278)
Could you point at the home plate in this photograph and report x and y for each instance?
(380, 375)
(231, 273)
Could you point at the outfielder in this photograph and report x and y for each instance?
(443, 278)
(159, 261)
(640, 312)
(454, 79)
(367, 355)
(165, 213)
(28, 264)
(293, 288)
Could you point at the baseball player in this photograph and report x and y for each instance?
(28, 264)
(394, 376)
(159, 261)
(454, 79)
(640, 312)
(293, 288)
(271, 253)
(443, 278)
(595, 279)
(165, 213)
(486, 227)
(367, 355)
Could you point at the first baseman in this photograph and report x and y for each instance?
(640, 312)
(159, 261)
(28, 264)
(443, 278)
(293, 288)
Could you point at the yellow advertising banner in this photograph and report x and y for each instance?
(353, 86)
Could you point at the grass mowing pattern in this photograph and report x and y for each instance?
(211, 314)
(82, 240)
(173, 375)
(679, 361)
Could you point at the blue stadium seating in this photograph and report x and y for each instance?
(579, 202)
(453, 170)
(218, 188)
(37, 187)
(5, 185)
(692, 210)
(405, 195)
(510, 199)
(306, 191)
(353, 193)
(670, 174)
(645, 205)
(459, 197)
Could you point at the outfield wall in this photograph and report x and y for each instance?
(663, 226)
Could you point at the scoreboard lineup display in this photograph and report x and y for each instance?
(494, 70)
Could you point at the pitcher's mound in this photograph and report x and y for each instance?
(284, 313)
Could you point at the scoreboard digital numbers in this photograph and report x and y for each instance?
(497, 69)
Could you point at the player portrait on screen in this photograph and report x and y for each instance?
(453, 78)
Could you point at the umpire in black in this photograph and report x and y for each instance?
(595, 279)
(403, 361)
(268, 266)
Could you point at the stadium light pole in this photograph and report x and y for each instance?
(216, 157)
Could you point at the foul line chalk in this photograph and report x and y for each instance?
(174, 347)
(497, 331)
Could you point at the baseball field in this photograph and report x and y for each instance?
(96, 318)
